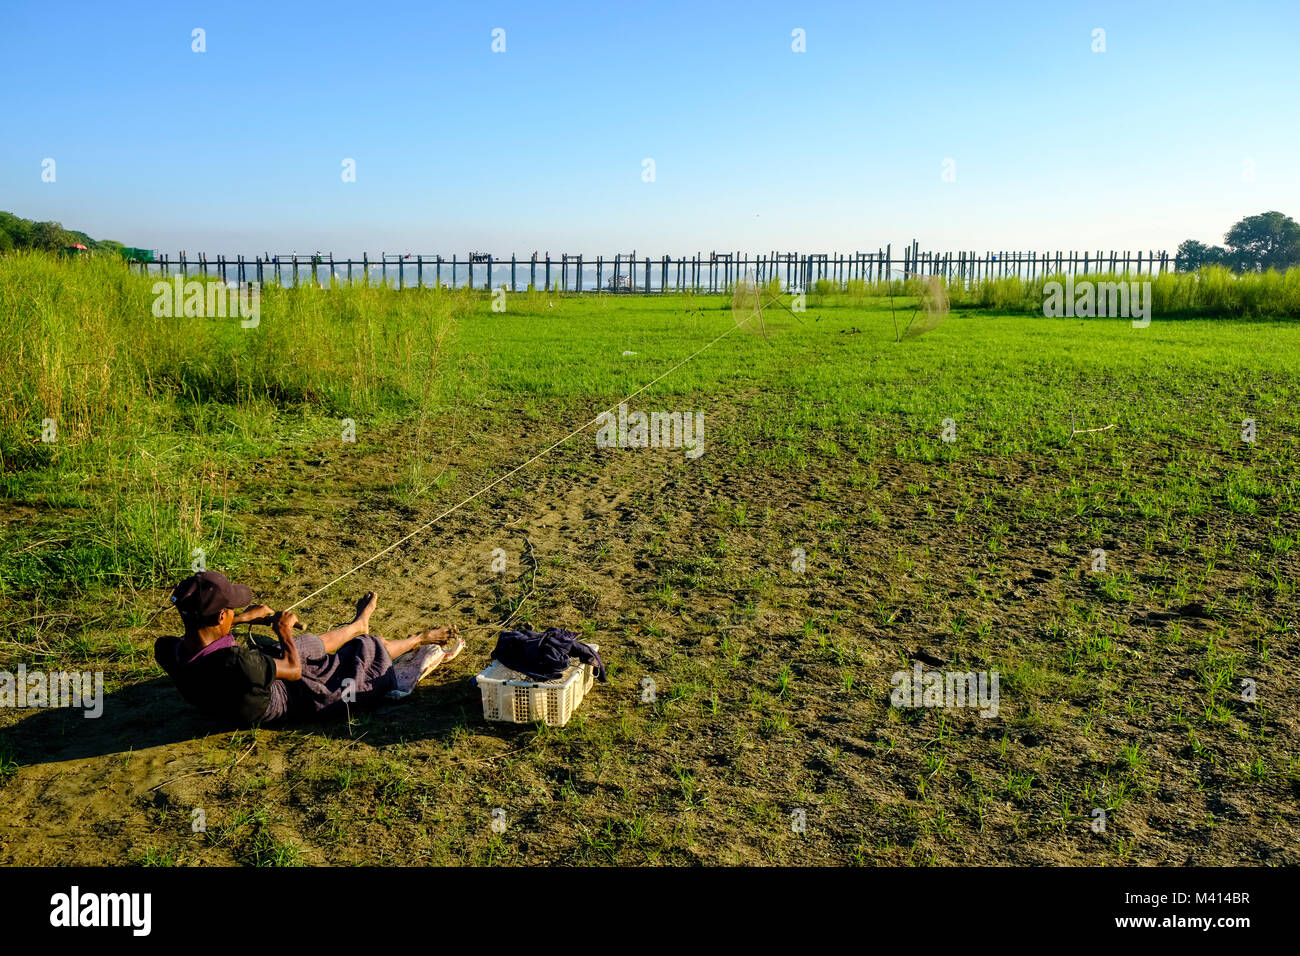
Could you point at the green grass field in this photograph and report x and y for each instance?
(1121, 689)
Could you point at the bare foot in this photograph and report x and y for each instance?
(439, 635)
(365, 607)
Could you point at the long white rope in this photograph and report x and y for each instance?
(513, 471)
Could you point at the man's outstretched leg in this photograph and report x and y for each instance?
(448, 637)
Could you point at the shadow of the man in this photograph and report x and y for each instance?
(153, 713)
(136, 717)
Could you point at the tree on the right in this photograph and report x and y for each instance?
(1270, 240)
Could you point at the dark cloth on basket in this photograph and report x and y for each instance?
(544, 655)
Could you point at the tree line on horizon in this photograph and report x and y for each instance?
(1270, 240)
(17, 233)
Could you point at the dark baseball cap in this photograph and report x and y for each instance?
(208, 593)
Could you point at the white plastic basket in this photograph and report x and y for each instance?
(514, 698)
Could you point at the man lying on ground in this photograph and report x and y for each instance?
(310, 676)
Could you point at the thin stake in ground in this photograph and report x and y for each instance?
(1075, 430)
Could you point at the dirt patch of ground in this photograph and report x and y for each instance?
(767, 733)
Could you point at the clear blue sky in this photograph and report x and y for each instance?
(239, 149)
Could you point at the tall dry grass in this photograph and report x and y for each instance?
(153, 413)
(1210, 292)
(85, 349)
